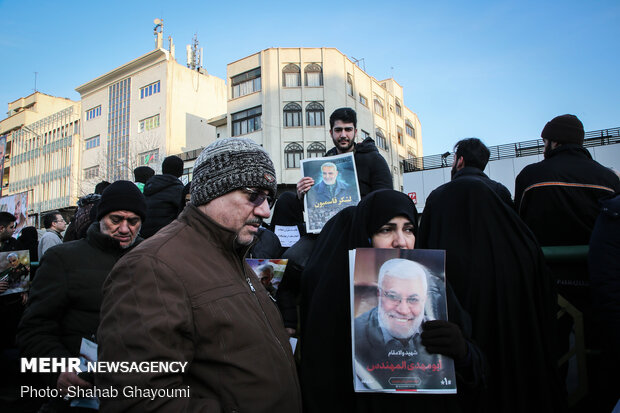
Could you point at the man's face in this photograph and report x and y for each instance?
(123, 226)
(401, 306)
(7, 232)
(18, 208)
(329, 175)
(265, 278)
(235, 212)
(343, 135)
(14, 262)
(59, 223)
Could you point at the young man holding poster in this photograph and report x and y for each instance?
(373, 171)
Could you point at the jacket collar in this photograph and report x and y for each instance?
(469, 170)
(569, 148)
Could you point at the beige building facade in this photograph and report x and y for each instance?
(42, 151)
(282, 99)
(141, 112)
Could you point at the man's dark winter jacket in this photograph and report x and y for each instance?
(558, 197)
(498, 188)
(373, 171)
(163, 201)
(66, 295)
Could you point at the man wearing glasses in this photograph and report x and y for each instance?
(389, 334)
(54, 225)
(187, 295)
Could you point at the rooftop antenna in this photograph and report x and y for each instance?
(35, 81)
(158, 31)
(194, 55)
(357, 62)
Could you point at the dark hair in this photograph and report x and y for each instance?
(99, 188)
(172, 165)
(6, 218)
(474, 152)
(49, 218)
(143, 173)
(346, 115)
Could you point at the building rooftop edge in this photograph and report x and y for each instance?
(153, 55)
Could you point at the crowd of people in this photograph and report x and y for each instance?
(154, 270)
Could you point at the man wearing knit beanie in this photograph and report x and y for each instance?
(195, 299)
(558, 198)
(66, 293)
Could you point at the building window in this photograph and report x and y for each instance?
(350, 84)
(314, 75)
(187, 175)
(292, 115)
(399, 134)
(294, 154)
(291, 75)
(148, 123)
(119, 108)
(316, 150)
(315, 114)
(93, 113)
(399, 109)
(92, 142)
(410, 152)
(381, 141)
(245, 83)
(363, 100)
(246, 121)
(148, 158)
(149, 90)
(92, 172)
(379, 107)
(364, 134)
(409, 129)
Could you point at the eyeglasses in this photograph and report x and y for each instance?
(258, 197)
(61, 220)
(397, 299)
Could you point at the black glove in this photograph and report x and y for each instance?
(444, 337)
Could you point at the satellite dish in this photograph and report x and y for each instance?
(157, 21)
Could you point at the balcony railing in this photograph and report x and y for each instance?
(510, 150)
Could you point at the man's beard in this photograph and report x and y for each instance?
(383, 317)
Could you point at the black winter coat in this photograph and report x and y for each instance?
(558, 197)
(163, 202)
(502, 192)
(373, 171)
(66, 295)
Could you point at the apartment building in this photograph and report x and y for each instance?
(145, 110)
(42, 135)
(282, 99)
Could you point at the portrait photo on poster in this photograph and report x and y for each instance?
(15, 271)
(393, 292)
(335, 188)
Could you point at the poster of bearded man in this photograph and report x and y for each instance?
(393, 292)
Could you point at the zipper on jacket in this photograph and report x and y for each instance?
(250, 284)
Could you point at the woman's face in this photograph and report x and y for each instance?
(396, 233)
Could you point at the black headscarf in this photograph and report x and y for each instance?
(498, 273)
(28, 240)
(326, 372)
(288, 212)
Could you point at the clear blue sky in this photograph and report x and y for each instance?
(497, 70)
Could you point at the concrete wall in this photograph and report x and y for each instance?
(420, 184)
